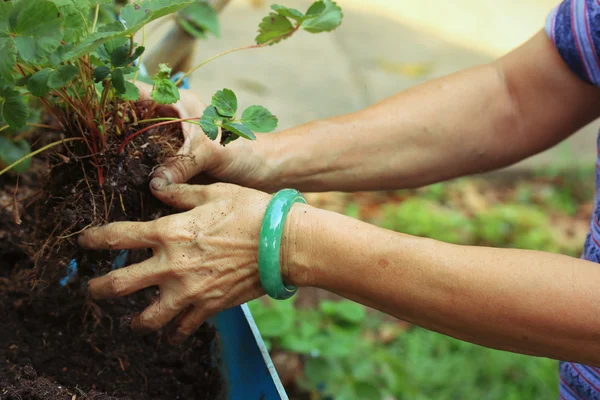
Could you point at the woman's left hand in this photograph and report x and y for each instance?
(204, 260)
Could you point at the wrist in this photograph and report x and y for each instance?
(297, 248)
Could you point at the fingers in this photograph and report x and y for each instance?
(156, 316)
(124, 281)
(183, 196)
(187, 163)
(120, 236)
(187, 324)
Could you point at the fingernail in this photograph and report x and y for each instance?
(164, 173)
(158, 184)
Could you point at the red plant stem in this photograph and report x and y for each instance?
(133, 135)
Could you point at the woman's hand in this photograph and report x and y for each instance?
(239, 162)
(204, 261)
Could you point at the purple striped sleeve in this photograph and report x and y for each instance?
(574, 27)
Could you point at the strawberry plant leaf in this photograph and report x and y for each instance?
(74, 14)
(259, 119)
(273, 29)
(134, 16)
(106, 50)
(139, 13)
(118, 81)
(131, 92)
(128, 70)
(208, 122)
(37, 83)
(57, 57)
(8, 49)
(36, 27)
(225, 102)
(120, 55)
(165, 91)
(101, 73)
(240, 130)
(323, 16)
(12, 108)
(136, 54)
(164, 72)
(199, 19)
(12, 151)
(5, 8)
(288, 12)
(62, 75)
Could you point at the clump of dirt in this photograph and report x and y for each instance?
(55, 342)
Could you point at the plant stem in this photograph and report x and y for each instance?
(131, 45)
(254, 46)
(25, 134)
(142, 56)
(133, 135)
(105, 94)
(35, 153)
(96, 12)
(168, 119)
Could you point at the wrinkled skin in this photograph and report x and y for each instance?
(204, 259)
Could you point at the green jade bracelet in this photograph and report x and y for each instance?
(269, 247)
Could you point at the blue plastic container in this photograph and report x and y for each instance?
(246, 366)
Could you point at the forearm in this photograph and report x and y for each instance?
(473, 121)
(523, 301)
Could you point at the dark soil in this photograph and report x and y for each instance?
(55, 342)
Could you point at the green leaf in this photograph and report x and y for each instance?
(317, 370)
(120, 55)
(8, 49)
(5, 8)
(118, 81)
(208, 122)
(288, 12)
(365, 390)
(136, 54)
(37, 83)
(74, 14)
(259, 119)
(165, 91)
(106, 50)
(239, 130)
(101, 73)
(324, 16)
(128, 70)
(135, 15)
(131, 92)
(57, 57)
(274, 28)
(36, 27)
(12, 108)
(225, 102)
(164, 72)
(198, 19)
(345, 310)
(139, 13)
(62, 75)
(11, 151)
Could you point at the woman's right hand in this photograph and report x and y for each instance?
(202, 160)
